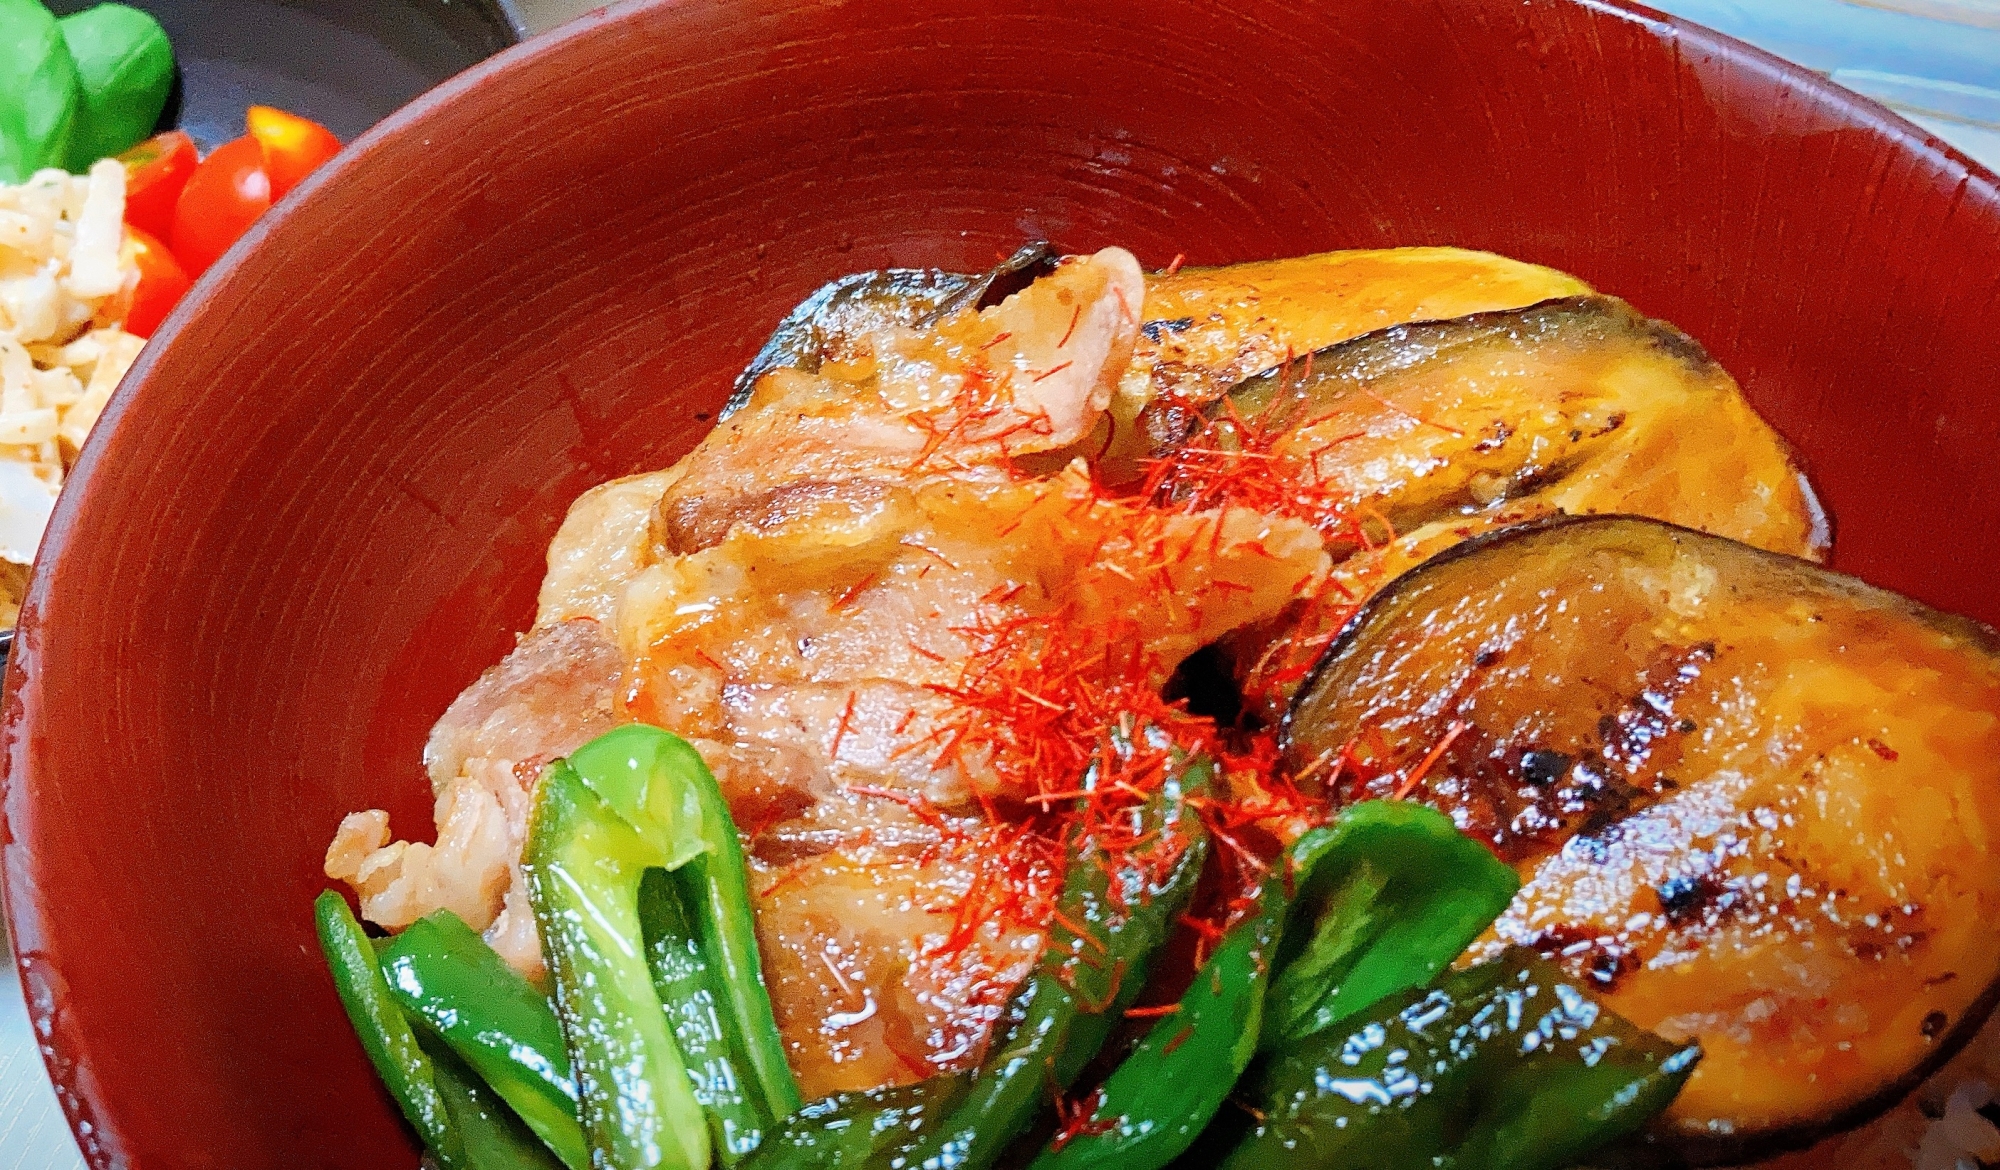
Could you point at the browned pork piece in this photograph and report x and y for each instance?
(1205, 328)
(853, 598)
(1756, 802)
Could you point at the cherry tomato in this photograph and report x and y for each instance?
(160, 285)
(293, 146)
(223, 197)
(155, 172)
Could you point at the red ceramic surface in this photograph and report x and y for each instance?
(320, 509)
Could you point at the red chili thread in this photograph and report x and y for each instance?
(853, 591)
(1457, 728)
(840, 730)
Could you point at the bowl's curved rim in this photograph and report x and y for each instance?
(27, 919)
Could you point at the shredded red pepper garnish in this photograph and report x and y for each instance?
(840, 730)
(853, 591)
(1075, 315)
(1416, 776)
(1074, 1119)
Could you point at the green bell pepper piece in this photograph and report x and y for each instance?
(495, 1138)
(454, 1114)
(849, 1131)
(686, 973)
(39, 91)
(1505, 1066)
(441, 972)
(1080, 987)
(385, 1034)
(626, 767)
(584, 865)
(1162, 1096)
(1399, 895)
(633, 800)
(125, 69)
(1053, 1026)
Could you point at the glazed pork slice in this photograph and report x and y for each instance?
(823, 639)
(828, 597)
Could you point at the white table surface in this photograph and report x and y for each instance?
(1935, 61)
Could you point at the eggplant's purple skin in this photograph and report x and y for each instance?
(889, 296)
(1753, 594)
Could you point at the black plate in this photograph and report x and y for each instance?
(346, 64)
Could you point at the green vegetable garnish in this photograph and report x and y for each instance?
(1110, 921)
(124, 71)
(1331, 903)
(720, 1041)
(493, 1136)
(441, 972)
(39, 92)
(1398, 894)
(634, 800)
(1505, 1066)
(406, 1070)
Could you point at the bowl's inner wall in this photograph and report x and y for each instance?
(321, 510)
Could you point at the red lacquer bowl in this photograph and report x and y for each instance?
(319, 508)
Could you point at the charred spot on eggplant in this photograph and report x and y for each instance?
(1747, 870)
(1541, 767)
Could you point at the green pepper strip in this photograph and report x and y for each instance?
(1081, 986)
(461, 1125)
(385, 1033)
(631, 800)
(1399, 895)
(710, 1037)
(584, 863)
(627, 768)
(441, 972)
(851, 1131)
(1053, 1025)
(1504, 1066)
(1161, 1097)
(494, 1136)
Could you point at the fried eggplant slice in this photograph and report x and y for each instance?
(827, 323)
(1404, 442)
(1206, 329)
(1755, 803)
